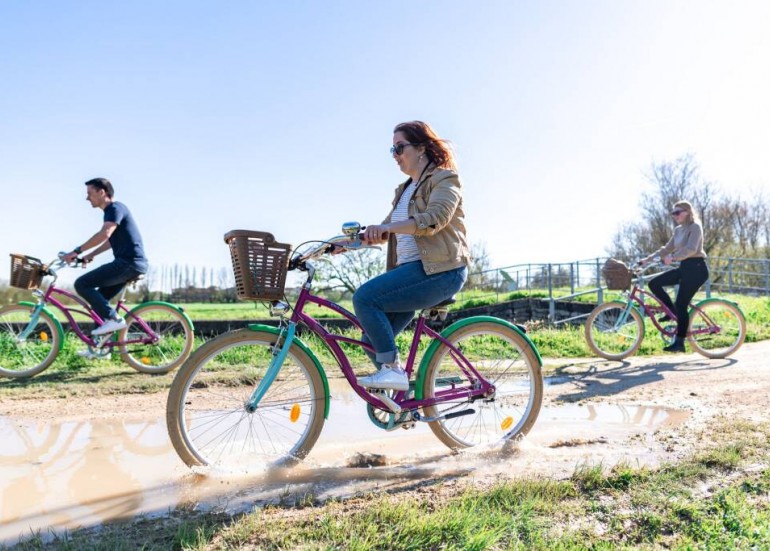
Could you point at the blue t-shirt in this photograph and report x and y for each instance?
(126, 241)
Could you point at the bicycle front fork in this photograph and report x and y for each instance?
(279, 355)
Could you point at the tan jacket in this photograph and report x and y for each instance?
(437, 208)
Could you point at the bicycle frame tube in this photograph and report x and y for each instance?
(86, 310)
(421, 329)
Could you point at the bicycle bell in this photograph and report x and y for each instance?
(351, 229)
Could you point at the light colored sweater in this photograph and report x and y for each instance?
(687, 242)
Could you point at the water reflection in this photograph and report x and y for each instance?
(56, 476)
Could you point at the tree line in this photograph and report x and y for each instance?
(733, 225)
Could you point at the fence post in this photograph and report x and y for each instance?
(766, 262)
(572, 278)
(551, 303)
(729, 275)
(599, 290)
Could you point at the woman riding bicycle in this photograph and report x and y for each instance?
(428, 256)
(685, 247)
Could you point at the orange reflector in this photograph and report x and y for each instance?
(145, 360)
(294, 415)
(506, 424)
(43, 336)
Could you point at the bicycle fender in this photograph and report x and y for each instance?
(57, 323)
(707, 300)
(138, 307)
(306, 350)
(454, 327)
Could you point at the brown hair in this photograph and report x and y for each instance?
(102, 183)
(436, 148)
(692, 216)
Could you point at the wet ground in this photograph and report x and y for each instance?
(86, 471)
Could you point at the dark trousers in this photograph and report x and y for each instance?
(690, 275)
(101, 284)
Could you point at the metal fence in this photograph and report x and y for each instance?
(565, 281)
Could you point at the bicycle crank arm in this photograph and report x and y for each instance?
(469, 411)
(387, 400)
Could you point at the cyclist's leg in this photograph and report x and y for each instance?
(694, 273)
(665, 279)
(402, 290)
(101, 284)
(398, 322)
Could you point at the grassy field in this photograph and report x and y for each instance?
(716, 498)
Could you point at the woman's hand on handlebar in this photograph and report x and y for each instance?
(376, 234)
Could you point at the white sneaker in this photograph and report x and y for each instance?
(110, 326)
(389, 377)
(88, 355)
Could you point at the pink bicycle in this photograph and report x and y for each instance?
(614, 330)
(260, 395)
(158, 336)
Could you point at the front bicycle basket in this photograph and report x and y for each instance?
(617, 275)
(26, 271)
(259, 264)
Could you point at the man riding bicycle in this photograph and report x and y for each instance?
(120, 233)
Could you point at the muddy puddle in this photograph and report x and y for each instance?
(61, 476)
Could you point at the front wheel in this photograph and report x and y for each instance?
(614, 330)
(169, 351)
(717, 328)
(208, 416)
(502, 357)
(26, 348)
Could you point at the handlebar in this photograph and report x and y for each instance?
(638, 269)
(338, 244)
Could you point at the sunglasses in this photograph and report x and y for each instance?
(677, 212)
(398, 149)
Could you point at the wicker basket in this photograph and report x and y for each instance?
(26, 271)
(617, 275)
(259, 264)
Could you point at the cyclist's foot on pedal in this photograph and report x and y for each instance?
(676, 346)
(391, 377)
(110, 326)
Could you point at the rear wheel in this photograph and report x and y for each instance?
(717, 328)
(174, 344)
(502, 357)
(614, 330)
(26, 349)
(207, 414)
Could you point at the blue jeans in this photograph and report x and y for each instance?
(387, 303)
(101, 284)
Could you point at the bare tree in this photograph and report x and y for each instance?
(478, 276)
(347, 272)
(671, 182)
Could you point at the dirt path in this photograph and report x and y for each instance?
(80, 462)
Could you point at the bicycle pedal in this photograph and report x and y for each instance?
(382, 395)
(100, 341)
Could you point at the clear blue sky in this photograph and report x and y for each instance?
(209, 116)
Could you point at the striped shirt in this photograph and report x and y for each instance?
(406, 246)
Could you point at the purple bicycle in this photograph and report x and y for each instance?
(158, 336)
(260, 396)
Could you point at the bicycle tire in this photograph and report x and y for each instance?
(168, 353)
(19, 360)
(501, 355)
(206, 416)
(732, 328)
(606, 339)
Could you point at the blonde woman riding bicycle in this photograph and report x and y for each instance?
(685, 247)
